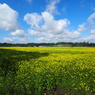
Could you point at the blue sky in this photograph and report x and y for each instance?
(25, 21)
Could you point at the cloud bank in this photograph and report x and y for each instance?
(8, 18)
(8, 22)
(52, 6)
(44, 27)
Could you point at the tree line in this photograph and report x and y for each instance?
(58, 44)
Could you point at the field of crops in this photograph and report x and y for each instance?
(47, 71)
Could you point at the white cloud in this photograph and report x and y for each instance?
(21, 40)
(92, 31)
(51, 25)
(91, 19)
(46, 22)
(19, 33)
(15, 40)
(81, 28)
(65, 37)
(51, 7)
(33, 33)
(90, 38)
(33, 19)
(8, 18)
(7, 40)
(51, 30)
(72, 35)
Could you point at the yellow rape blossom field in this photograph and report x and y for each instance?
(47, 71)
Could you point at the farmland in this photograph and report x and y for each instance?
(47, 71)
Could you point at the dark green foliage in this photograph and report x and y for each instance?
(58, 44)
(10, 60)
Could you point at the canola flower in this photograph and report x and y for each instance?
(44, 69)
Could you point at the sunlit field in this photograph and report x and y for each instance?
(47, 71)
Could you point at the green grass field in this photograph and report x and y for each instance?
(47, 71)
